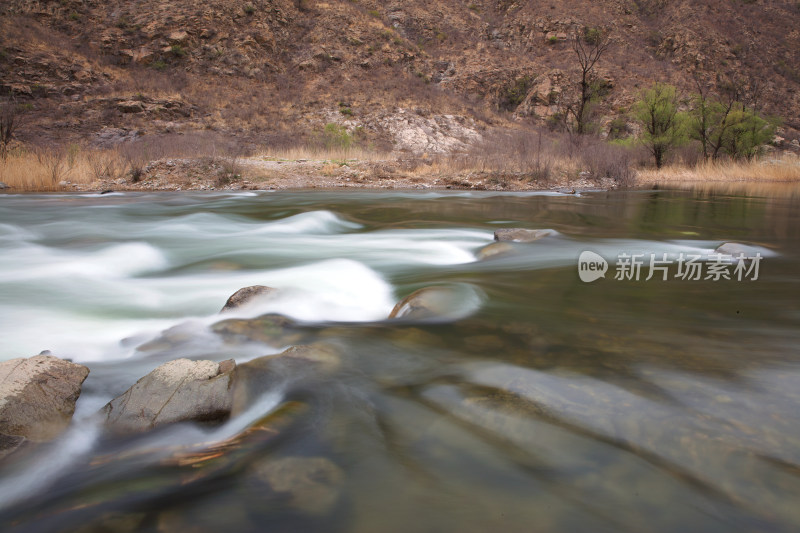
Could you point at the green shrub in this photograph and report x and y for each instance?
(249, 9)
(336, 136)
(515, 93)
(592, 35)
(178, 50)
(374, 13)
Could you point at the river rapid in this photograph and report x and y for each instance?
(537, 402)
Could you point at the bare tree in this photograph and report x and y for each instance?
(589, 47)
(8, 125)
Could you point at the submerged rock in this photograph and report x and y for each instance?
(494, 249)
(310, 484)
(735, 249)
(271, 329)
(37, 396)
(10, 443)
(3, 186)
(259, 376)
(247, 295)
(178, 391)
(436, 303)
(522, 235)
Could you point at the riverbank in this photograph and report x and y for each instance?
(104, 170)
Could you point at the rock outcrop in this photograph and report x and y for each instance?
(521, 235)
(178, 391)
(37, 398)
(248, 295)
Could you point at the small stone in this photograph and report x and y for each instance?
(248, 295)
(522, 235)
(494, 249)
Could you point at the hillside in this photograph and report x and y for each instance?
(413, 76)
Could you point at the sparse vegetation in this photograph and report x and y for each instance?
(514, 94)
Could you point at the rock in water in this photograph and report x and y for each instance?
(178, 391)
(522, 235)
(495, 249)
(297, 363)
(311, 484)
(440, 303)
(735, 249)
(247, 295)
(37, 396)
(3, 186)
(9, 443)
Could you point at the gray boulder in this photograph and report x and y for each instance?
(3, 186)
(178, 391)
(37, 397)
(521, 234)
(247, 295)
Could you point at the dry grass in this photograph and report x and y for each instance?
(45, 169)
(785, 169)
(313, 152)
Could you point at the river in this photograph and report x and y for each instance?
(540, 402)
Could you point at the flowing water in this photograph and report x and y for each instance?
(537, 402)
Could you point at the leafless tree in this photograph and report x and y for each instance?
(8, 125)
(589, 47)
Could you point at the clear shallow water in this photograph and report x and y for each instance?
(542, 404)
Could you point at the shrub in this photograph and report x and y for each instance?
(514, 94)
(374, 13)
(336, 136)
(592, 35)
(249, 9)
(177, 50)
(618, 128)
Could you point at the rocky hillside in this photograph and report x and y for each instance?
(421, 76)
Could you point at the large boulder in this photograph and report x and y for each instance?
(248, 295)
(37, 397)
(521, 234)
(178, 391)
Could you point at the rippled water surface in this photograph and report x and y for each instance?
(537, 403)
